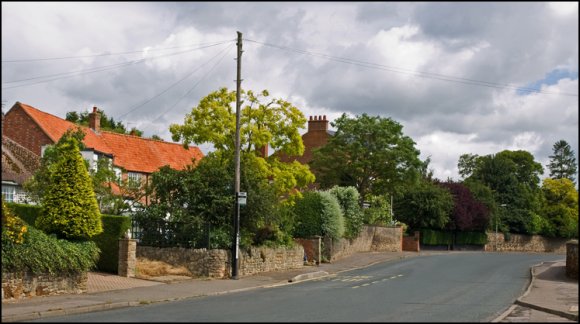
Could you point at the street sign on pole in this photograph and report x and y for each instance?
(242, 198)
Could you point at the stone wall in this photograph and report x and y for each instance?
(200, 262)
(24, 285)
(261, 259)
(572, 259)
(524, 243)
(217, 264)
(127, 257)
(371, 238)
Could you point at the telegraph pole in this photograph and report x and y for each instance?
(235, 245)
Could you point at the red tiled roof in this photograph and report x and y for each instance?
(129, 152)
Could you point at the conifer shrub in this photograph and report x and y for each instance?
(69, 207)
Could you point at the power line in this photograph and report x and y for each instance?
(174, 84)
(195, 85)
(429, 75)
(64, 75)
(109, 54)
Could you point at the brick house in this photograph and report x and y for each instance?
(132, 157)
(316, 136)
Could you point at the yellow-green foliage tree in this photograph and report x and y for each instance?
(561, 208)
(69, 205)
(263, 122)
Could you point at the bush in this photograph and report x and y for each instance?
(114, 228)
(69, 206)
(471, 238)
(433, 237)
(318, 213)
(41, 253)
(28, 213)
(348, 198)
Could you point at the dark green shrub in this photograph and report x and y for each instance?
(114, 228)
(41, 253)
(470, 238)
(348, 198)
(28, 213)
(434, 237)
(318, 213)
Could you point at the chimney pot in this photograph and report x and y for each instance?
(94, 109)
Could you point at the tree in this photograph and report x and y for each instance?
(106, 123)
(425, 205)
(369, 153)
(69, 206)
(467, 164)
(561, 208)
(513, 177)
(263, 122)
(468, 214)
(563, 163)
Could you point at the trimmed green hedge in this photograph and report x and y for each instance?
(27, 213)
(114, 228)
(435, 237)
(471, 238)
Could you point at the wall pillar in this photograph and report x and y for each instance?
(127, 257)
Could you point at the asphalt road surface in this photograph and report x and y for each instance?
(455, 287)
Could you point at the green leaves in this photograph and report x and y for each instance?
(69, 205)
(369, 153)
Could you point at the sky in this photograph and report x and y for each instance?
(460, 77)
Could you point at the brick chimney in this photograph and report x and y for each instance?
(95, 120)
(317, 123)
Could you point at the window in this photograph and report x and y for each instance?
(135, 177)
(8, 193)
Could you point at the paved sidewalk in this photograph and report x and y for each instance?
(106, 291)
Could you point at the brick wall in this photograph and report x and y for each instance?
(217, 264)
(412, 243)
(525, 243)
(24, 285)
(312, 249)
(19, 127)
(572, 259)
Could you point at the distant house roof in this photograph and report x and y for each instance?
(129, 152)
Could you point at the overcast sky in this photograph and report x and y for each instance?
(458, 76)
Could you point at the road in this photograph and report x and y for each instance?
(457, 287)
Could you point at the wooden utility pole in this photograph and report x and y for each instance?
(236, 243)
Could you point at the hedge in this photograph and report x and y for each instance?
(435, 237)
(114, 228)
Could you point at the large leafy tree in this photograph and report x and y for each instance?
(425, 205)
(264, 121)
(513, 177)
(69, 205)
(370, 153)
(561, 208)
(563, 163)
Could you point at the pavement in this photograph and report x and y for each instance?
(550, 297)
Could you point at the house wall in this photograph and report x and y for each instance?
(19, 127)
